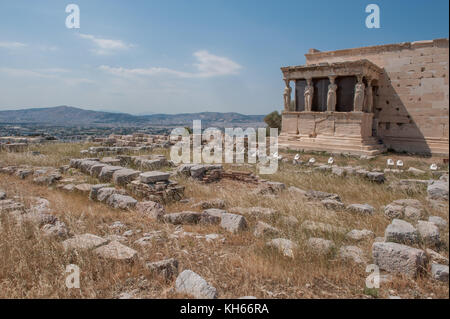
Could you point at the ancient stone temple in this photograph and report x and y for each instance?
(366, 100)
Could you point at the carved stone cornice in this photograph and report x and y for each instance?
(349, 68)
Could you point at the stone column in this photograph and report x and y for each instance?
(331, 96)
(309, 95)
(358, 102)
(368, 104)
(287, 96)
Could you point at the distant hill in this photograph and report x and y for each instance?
(70, 116)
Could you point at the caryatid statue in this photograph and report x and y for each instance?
(331, 96)
(358, 102)
(369, 97)
(287, 96)
(309, 94)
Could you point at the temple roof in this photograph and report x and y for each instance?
(359, 67)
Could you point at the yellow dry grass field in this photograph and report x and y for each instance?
(34, 266)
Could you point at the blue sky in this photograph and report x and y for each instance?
(169, 56)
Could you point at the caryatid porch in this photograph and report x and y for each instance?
(332, 108)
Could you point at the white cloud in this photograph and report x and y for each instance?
(26, 73)
(12, 45)
(62, 75)
(212, 65)
(48, 48)
(105, 46)
(208, 65)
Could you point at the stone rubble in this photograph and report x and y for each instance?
(188, 282)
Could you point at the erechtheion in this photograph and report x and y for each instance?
(366, 100)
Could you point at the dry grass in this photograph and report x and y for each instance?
(32, 266)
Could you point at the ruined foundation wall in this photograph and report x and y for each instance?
(412, 102)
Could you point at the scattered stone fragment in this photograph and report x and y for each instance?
(120, 239)
(215, 212)
(83, 188)
(233, 223)
(188, 282)
(359, 235)
(9, 205)
(107, 172)
(68, 187)
(363, 209)
(117, 251)
(86, 165)
(264, 229)
(438, 190)
(376, 177)
(96, 169)
(84, 242)
(429, 233)
(147, 240)
(320, 246)
(104, 193)
(394, 211)
(121, 201)
(212, 216)
(439, 272)
(40, 205)
(39, 218)
(197, 171)
(438, 221)
(296, 191)
(284, 246)
(24, 173)
(413, 213)
(318, 195)
(167, 268)
(153, 177)
(436, 257)
(332, 204)
(402, 232)
(117, 225)
(214, 203)
(415, 171)
(151, 209)
(405, 208)
(321, 227)
(124, 176)
(339, 171)
(182, 218)
(398, 258)
(93, 194)
(128, 233)
(352, 253)
(2, 195)
(58, 230)
(290, 220)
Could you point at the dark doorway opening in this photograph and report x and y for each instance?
(345, 93)
(320, 95)
(300, 95)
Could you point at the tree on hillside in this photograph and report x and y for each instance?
(273, 120)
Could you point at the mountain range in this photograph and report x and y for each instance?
(71, 116)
